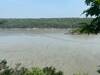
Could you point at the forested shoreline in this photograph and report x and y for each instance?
(43, 23)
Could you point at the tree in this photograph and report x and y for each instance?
(93, 10)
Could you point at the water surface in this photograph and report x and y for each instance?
(51, 47)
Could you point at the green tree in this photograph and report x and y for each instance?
(93, 10)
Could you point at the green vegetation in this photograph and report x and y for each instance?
(43, 23)
(18, 70)
(93, 10)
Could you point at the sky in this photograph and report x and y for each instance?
(41, 8)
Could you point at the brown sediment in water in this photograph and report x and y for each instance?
(51, 47)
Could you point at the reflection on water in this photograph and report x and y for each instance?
(46, 47)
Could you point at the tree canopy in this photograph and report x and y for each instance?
(93, 10)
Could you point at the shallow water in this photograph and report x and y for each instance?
(51, 47)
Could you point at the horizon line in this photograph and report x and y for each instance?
(41, 17)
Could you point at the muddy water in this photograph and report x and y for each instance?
(51, 47)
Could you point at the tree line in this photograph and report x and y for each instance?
(43, 23)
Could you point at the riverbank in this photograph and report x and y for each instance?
(43, 23)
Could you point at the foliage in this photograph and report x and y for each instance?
(42, 23)
(51, 71)
(2, 21)
(18, 70)
(98, 69)
(35, 71)
(93, 10)
(86, 28)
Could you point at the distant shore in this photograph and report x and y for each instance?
(43, 23)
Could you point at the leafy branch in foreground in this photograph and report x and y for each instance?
(85, 28)
(93, 10)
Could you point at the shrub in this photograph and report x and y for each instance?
(18, 70)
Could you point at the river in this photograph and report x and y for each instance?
(51, 47)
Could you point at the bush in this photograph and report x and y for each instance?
(18, 70)
(51, 71)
